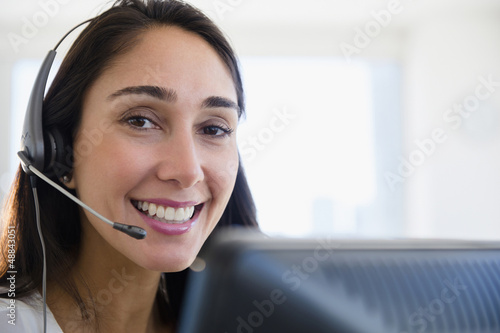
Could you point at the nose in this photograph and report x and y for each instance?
(180, 161)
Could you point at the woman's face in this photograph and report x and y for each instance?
(156, 148)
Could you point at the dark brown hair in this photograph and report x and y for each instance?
(107, 36)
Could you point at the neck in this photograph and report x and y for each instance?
(119, 295)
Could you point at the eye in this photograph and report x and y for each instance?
(217, 130)
(140, 122)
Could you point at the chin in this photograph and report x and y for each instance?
(168, 263)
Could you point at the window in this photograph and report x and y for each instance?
(313, 145)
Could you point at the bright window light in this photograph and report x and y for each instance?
(307, 143)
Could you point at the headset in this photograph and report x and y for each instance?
(42, 151)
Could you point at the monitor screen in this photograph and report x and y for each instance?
(255, 284)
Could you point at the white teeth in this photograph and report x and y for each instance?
(160, 212)
(163, 213)
(190, 212)
(179, 214)
(152, 209)
(169, 214)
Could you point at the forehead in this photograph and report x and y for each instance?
(174, 58)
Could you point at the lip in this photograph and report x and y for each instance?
(172, 229)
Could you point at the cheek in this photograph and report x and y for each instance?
(106, 167)
(221, 176)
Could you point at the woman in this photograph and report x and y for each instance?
(150, 96)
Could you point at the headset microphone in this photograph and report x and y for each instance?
(130, 230)
(42, 149)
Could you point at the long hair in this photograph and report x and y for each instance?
(107, 36)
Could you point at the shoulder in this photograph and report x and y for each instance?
(25, 315)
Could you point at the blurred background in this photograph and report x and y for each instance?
(364, 118)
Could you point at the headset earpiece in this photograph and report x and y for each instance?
(55, 162)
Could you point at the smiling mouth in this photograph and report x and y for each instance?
(167, 214)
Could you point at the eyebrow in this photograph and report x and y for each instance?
(169, 95)
(161, 93)
(220, 102)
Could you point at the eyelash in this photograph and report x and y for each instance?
(129, 121)
(226, 131)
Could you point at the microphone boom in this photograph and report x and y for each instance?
(131, 230)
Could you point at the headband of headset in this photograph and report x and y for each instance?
(43, 148)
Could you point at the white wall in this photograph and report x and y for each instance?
(456, 191)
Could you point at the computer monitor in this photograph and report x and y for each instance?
(256, 284)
